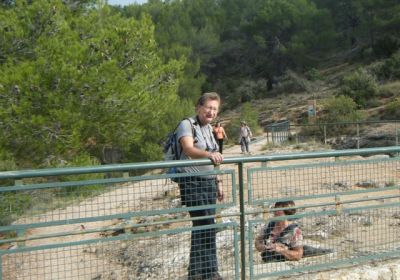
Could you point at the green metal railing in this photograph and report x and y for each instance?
(77, 223)
(348, 134)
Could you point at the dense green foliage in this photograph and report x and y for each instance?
(392, 110)
(389, 69)
(80, 79)
(360, 86)
(250, 116)
(233, 46)
(340, 109)
(74, 81)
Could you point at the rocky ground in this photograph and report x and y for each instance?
(165, 256)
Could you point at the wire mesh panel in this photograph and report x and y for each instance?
(162, 254)
(333, 240)
(55, 216)
(68, 200)
(322, 179)
(347, 212)
(164, 226)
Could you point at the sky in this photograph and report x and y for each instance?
(125, 2)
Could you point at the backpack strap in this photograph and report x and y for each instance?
(194, 135)
(271, 225)
(268, 229)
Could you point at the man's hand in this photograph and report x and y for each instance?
(277, 247)
(216, 158)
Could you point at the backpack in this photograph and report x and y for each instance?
(173, 150)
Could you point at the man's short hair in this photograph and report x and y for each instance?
(284, 204)
(208, 96)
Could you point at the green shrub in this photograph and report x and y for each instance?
(291, 82)
(7, 162)
(250, 90)
(312, 130)
(373, 103)
(13, 205)
(389, 69)
(392, 110)
(81, 191)
(313, 74)
(385, 92)
(249, 115)
(360, 86)
(341, 109)
(232, 130)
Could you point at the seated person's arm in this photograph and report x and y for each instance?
(295, 251)
(259, 242)
(293, 254)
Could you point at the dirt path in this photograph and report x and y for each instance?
(97, 261)
(59, 263)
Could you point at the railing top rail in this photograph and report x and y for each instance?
(342, 123)
(19, 174)
(281, 123)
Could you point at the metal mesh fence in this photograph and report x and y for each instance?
(323, 179)
(347, 211)
(136, 256)
(348, 135)
(335, 240)
(161, 226)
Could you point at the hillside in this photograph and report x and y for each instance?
(284, 104)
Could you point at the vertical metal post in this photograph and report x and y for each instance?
(339, 206)
(273, 136)
(20, 232)
(1, 266)
(242, 222)
(325, 134)
(397, 139)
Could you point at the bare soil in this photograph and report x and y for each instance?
(125, 260)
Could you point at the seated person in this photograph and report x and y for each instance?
(281, 240)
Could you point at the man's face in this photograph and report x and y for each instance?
(208, 112)
(278, 213)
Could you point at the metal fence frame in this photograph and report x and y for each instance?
(240, 178)
(294, 130)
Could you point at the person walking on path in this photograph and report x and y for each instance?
(220, 135)
(245, 137)
(201, 190)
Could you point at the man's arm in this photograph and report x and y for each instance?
(293, 254)
(259, 242)
(191, 151)
(223, 131)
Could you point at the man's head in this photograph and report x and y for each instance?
(286, 204)
(208, 96)
(207, 107)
